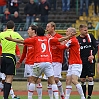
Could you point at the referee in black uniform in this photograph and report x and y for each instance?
(88, 50)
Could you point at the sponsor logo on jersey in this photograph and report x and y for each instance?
(85, 47)
(84, 40)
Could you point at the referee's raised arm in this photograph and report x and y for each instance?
(8, 59)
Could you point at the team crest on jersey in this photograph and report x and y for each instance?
(84, 40)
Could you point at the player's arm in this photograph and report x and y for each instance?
(95, 48)
(28, 41)
(23, 54)
(18, 64)
(14, 40)
(66, 37)
(17, 51)
(94, 45)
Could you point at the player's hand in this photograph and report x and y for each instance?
(90, 58)
(9, 38)
(62, 43)
(18, 56)
(18, 64)
(73, 34)
(46, 7)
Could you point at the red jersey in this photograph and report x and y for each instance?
(28, 54)
(57, 51)
(17, 50)
(42, 51)
(74, 51)
(3, 2)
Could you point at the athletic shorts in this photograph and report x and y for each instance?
(43, 67)
(74, 69)
(8, 62)
(88, 70)
(57, 68)
(28, 71)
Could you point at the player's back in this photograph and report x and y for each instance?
(8, 46)
(42, 49)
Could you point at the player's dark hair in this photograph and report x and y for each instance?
(34, 27)
(82, 26)
(10, 25)
(40, 31)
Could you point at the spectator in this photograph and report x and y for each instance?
(13, 6)
(82, 2)
(90, 26)
(65, 5)
(96, 4)
(52, 2)
(43, 10)
(16, 19)
(3, 4)
(6, 17)
(31, 10)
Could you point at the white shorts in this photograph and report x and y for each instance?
(2, 75)
(43, 67)
(57, 68)
(28, 71)
(74, 69)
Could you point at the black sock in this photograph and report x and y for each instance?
(90, 88)
(83, 84)
(7, 87)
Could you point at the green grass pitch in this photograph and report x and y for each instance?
(46, 97)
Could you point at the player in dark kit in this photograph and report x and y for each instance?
(88, 50)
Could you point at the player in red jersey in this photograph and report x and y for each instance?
(2, 75)
(28, 55)
(57, 59)
(42, 57)
(75, 64)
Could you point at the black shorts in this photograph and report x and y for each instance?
(88, 70)
(8, 62)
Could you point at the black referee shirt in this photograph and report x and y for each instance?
(87, 45)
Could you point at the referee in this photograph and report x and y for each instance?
(88, 50)
(8, 59)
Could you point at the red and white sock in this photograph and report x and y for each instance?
(50, 92)
(31, 90)
(55, 91)
(60, 88)
(28, 83)
(39, 90)
(80, 91)
(68, 91)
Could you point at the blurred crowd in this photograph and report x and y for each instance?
(10, 9)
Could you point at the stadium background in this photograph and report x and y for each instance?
(63, 20)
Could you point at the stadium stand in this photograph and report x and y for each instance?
(85, 20)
